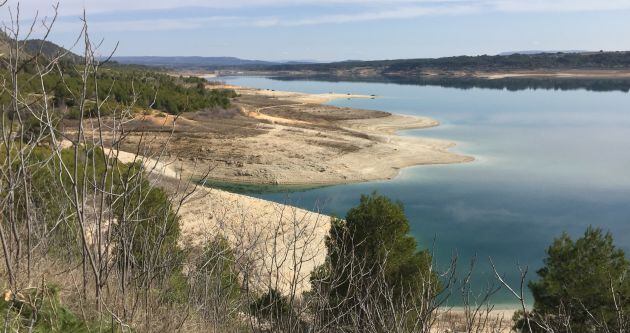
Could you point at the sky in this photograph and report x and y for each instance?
(332, 30)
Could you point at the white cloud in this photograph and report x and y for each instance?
(73, 7)
(397, 13)
(364, 10)
(148, 25)
(558, 5)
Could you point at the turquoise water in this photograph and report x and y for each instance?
(547, 162)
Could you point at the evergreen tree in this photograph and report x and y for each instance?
(583, 281)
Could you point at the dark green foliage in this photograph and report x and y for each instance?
(580, 275)
(148, 228)
(217, 267)
(377, 232)
(274, 307)
(600, 60)
(147, 231)
(152, 90)
(42, 310)
(43, 195)
(369, 252)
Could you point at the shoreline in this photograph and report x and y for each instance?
(256, 228)
(308, 143)
(577, 74)
(273, 137)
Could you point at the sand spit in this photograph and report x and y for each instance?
(275, 137)
(298, 97)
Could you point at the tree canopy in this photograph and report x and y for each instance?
(584, 280)
(371, 250)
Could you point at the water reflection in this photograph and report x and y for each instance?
(511, 84)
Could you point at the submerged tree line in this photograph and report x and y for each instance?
(91, 244)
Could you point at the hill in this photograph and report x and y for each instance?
(532, 52)
(464, 65)
(4, 43)
(37, 46)
(49, 50)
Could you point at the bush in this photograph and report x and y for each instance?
(148, 229)
(273, 307)
(215, 279)
(40, 310)
(369, 252)
(583, 282)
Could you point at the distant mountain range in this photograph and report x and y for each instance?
(192, 62)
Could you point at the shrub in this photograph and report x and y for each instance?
(40, 310)
(582, 282)
(148, 229)
(371, 256)
(273, 307)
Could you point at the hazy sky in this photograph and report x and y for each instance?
(339, 29)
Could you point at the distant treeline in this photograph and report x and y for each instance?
(549, 61)
(512, 84)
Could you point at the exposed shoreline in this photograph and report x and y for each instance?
(372, 73)
(295, 139)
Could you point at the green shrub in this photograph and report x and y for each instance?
(148, 229)
(42, 310)
(272, 306)
(216, 265)
(376, 235)
(368, 252)
(582, 282)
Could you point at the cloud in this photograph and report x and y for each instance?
(397, 13)
(238, 13)
(74, 7)
(262, 22)
(558, 5)
(148, 25)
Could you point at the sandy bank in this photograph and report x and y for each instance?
(568, 74)
(298, 97)
(278, 245)
(276, 137)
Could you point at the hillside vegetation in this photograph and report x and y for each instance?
(144, 88)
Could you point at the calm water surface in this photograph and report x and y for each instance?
(547, 162)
